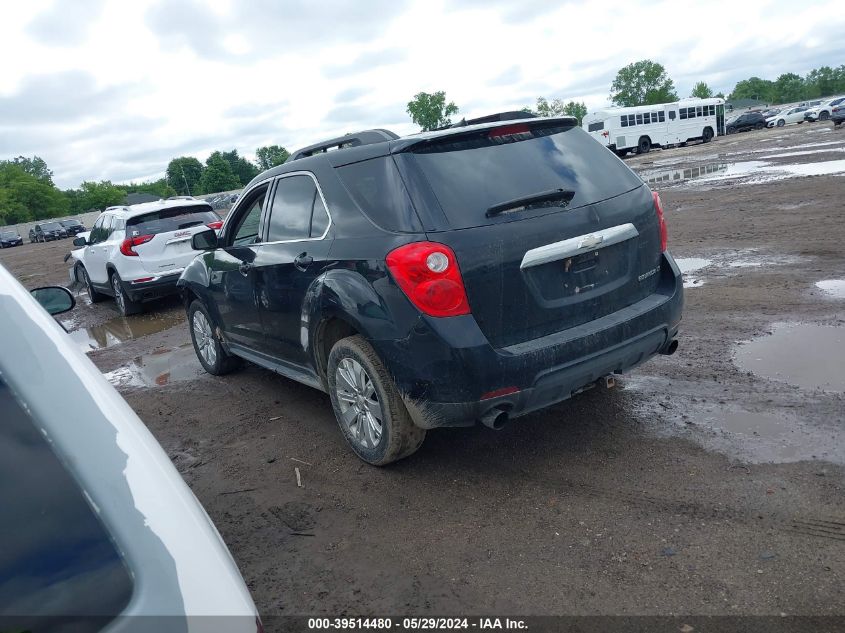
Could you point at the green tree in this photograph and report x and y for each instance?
(270, 156)
(720, 95)
(430, 111)
(217, 175)
(241, 167)
(183, 174)
(702, 91)
(35, 166)
(154, 187)
(754, 88)
(821, 82)
(24, 196)
(642, 83)
(99, 195)
(576, 109)
(789, 87)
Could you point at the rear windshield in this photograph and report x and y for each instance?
(173, 219)
(9, 234)
(476, 173)
(50, 226)
(71, 222)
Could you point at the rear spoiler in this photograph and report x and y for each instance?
(444, 135)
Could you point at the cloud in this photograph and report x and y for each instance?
(267, 27)
(366, 61)
(65, 24)
(61, 98)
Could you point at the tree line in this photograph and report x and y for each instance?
(27, 190)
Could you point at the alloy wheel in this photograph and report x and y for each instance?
(204, 338)
(118, 294)
(360, 410)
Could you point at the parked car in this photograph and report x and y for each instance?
(787, 116)
(47, 232)
(745, 122)
(73, 227)
(822, 112)
(137, 253)
(837, 114)
(97, 525)
(10, 238)
(474, 273)
(770, 112)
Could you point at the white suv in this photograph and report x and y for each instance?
(137, 253)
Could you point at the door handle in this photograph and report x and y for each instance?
(302, 261)
(245, 267)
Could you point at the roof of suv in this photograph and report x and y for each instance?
(146, 207)
(364, 150)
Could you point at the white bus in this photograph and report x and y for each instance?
(661, 125)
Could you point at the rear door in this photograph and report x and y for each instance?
(550, 229)
(293, 256)
(164, 236)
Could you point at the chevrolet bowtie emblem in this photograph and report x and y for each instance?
(588, 241)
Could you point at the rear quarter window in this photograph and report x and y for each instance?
(377, 189)
(469, 174)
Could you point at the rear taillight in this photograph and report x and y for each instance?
(127, 246)
(508, 130)
(428, 274)
(218, 224)
(661, 221)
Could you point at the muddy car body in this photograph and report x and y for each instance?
(489, 270)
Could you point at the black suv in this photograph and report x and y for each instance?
(475, 273)
(745, 122)
(73, 227)
(47, 231)
(10, 238)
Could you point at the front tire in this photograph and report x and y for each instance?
(125, 304)
(759, 126)
(707, 135)
(367, 405)
(824, 116)
(210, 353)
(94, 295)
(781, 122)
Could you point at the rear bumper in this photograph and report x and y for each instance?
(446, 369)
(154, 288)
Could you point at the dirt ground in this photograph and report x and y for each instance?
(709, 482)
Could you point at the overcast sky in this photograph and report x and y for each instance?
(114, 90)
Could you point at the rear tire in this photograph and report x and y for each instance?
(210, 353)
(759, 126)
(824, 116)
(369, 410)
(94, 295)
(731, 130)
(644, 145)
(707, 135)
(125, 305)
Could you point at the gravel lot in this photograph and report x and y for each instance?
(709, 482)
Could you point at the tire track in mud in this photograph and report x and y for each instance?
(816, 527)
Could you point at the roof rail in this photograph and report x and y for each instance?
(366, 137)
(490, 118)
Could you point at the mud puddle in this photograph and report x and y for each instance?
(774, 435)
(121, 329)
(696, 270)
(753, 171)
(160, 368)
(805, 355)
(832, 287)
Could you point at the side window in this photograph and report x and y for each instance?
(646, 118)
(671, 115)
(595, 127)
(639, 119)
(698, 111)
(661, 116)
(624, 120)
(319, 217)
(107, 227)
(94, 237)
(246, 230)
(293, 204)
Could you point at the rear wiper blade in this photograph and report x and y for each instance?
(553, 198)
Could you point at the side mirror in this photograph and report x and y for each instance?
(80, 241)
(54, 299)
(204, 240)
